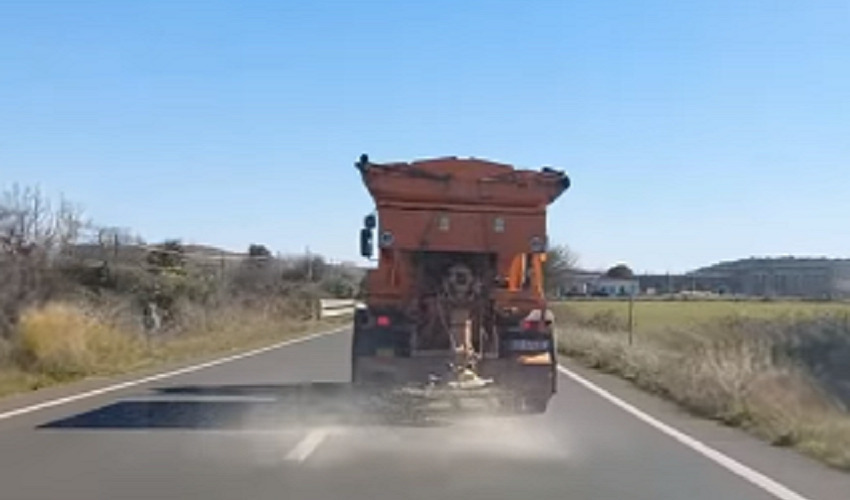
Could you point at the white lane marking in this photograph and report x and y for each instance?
(159, 376)
(307, 445)
(753, 476)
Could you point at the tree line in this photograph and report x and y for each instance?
(50, 251)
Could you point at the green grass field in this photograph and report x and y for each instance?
(658, 315)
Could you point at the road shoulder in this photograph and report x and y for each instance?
(59, 392)
(797, 472)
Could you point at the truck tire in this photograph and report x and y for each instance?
(355, 334)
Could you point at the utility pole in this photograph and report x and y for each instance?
(631, 317)
(309, 264)
(221, 267)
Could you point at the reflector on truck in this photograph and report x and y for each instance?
(543, 358)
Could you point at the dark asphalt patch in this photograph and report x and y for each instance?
(262, 407)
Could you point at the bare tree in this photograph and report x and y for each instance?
(28, 222)
(620, 271)
(111, 236)
(256, 250)
(32, 233)
(560, 264)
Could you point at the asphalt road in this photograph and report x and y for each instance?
(247, 429)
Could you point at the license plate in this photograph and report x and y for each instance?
(529, 345)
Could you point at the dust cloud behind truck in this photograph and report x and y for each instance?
(457, 299)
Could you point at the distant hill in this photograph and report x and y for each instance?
(201, 254)
(137, 254)
(751, 263)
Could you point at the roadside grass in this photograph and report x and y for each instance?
(652, 315)
(759, 373)
(63, 342)
(14, 380)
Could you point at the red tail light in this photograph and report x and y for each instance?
(383, 321)
(530, 325)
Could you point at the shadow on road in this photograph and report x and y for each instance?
(313, 389)
(259, 407)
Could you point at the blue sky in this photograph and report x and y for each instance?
(693, 131)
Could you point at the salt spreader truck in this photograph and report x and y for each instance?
(456, 301)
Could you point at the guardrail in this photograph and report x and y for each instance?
(329, 308)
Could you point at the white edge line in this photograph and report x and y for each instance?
(159, 376)
(757, 478)
(307, 445)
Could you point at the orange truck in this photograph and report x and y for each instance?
(457, 297)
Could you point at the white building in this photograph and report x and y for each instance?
(615, 287)
(589, 283)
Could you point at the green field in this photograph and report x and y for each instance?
(656, 314)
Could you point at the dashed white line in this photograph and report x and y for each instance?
(307, 445)
(158, 376)
(753, 476)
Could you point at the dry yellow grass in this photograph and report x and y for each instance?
(716, 371)
(13, 379)
(62, 342)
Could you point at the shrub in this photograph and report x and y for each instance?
(60, 340)
(605, 321)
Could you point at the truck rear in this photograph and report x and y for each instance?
(457, 299)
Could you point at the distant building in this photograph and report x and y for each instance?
(582, 283)
(616, 287)
(577, 283)
(660, 284)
